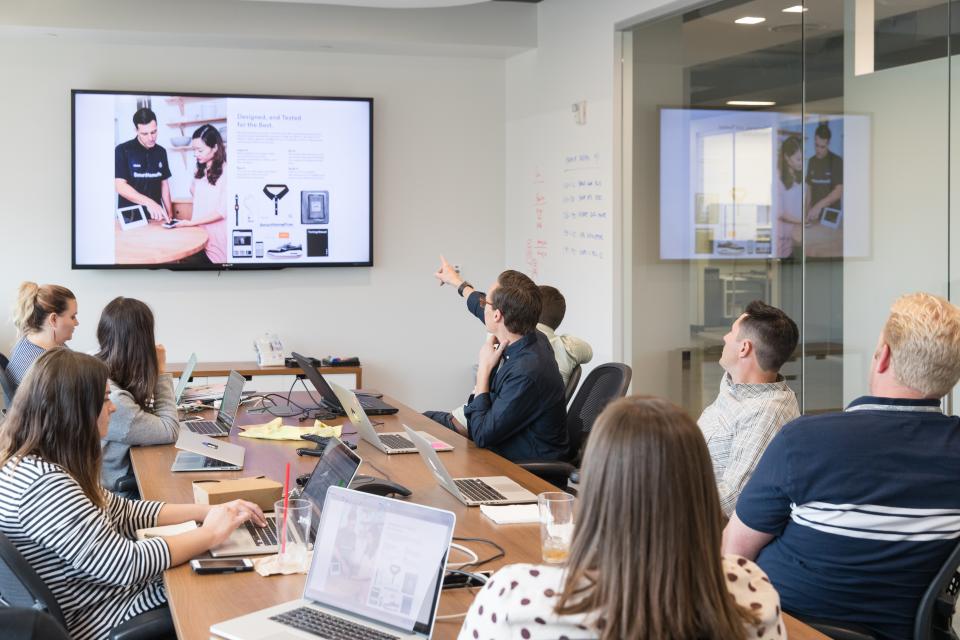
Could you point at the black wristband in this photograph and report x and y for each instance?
(463, 285)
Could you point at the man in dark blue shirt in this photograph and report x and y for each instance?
(517, 408)
(141, 169)
(852, 514)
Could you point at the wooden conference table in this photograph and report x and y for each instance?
(197, 602)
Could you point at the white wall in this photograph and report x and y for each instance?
(439, 186)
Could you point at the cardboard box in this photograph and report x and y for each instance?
(261, 490)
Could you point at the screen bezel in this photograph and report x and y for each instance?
(213, 267)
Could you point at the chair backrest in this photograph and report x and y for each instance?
(572, 383)
(29, 624)
(20, 586)
(605, 383)
(935, 613)
(6, 382)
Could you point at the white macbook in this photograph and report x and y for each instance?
(335, 469)
(377, 571)
(185, 377)
(200, 453)
(470, 491)
(221, 425)
(389, 443)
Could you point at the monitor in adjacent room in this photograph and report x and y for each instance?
(221, 181)
(745, 185)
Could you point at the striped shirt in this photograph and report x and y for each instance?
(22, 356)
(738, 426)
(864, 509)
(88, 558)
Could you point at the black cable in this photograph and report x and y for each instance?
(477, 578)
(501, 552)
(379, 470)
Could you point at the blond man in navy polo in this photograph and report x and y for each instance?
(852, 514)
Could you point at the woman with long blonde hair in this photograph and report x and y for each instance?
(645, 559)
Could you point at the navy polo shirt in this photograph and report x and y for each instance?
(143, 169)
(523, 416)
(865, 507)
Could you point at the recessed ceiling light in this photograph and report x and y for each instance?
(750, 20)
(797, 8)
(751, 103)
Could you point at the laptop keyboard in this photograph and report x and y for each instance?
(395, 441)
(204, 427)
(263, 536)
(211, 463)
(478, 490)
(327, 626)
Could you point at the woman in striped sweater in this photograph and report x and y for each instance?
(78, 537)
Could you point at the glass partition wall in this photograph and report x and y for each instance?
(796, 153)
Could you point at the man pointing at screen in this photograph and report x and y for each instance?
(141, 169)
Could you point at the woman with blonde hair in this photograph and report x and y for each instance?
(645, 559)
(79, 538)
(45, 317)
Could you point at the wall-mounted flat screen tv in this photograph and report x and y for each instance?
(198, 182)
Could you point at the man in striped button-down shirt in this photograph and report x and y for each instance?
(754, 401)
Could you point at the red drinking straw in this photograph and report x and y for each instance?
(286, 515)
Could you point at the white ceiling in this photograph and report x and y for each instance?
(384, 4)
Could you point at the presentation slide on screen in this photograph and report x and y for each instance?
(208, 182)
(763, 185)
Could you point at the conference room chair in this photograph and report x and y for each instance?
(30, 624)
(605, 383)
(6, 382)
(21, 587)
(934, 619)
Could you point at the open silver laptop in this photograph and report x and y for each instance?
(221, 425)
(185, 377)
(200, 453)
(389, 443)
(377, 571)
(470, 491)
(336, 468)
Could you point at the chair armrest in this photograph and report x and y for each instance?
(555, 473)
(126, 484)
(156, 624)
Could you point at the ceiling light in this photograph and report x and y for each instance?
(751, 103)
(750, 20)
(797, 8)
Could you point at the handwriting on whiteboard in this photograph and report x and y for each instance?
(583, 207)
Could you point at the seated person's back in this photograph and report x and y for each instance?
(852, 514)
(754, 401)
(646, 471)
(570, 351)
(142, 393)
(517, 408)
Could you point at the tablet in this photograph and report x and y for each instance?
(831, 217)
(132, 217)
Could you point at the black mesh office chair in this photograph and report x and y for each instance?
(605, 383)
(572, 383)
(29, 624)
(20, 586)
(7, 384)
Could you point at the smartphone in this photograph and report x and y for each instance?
(224, 565)
(460, 581)
(171, 224)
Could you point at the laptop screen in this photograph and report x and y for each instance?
(231, 399)
(185, 377)
(380, 559)
(316, 379)
(335, 469)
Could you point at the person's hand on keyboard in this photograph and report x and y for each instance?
(223, 519)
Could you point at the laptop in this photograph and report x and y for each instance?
(336, 468)
(372, 406)
(388, 443)
(185, 377)
(377, 571)
(470, 491)
(200, 453)
(221, 425)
